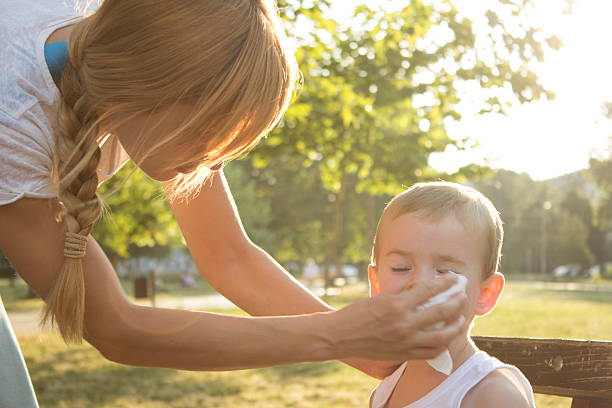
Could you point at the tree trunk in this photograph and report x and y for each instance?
(333, 257)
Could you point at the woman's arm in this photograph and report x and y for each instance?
(231, 263)
(241, 271)
(384, 328)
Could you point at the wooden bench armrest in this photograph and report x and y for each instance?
(581, 369)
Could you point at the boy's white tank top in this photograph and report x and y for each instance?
(451, 392)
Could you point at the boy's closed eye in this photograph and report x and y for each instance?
(448, 270)
(409, 268)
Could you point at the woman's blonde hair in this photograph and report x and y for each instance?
(438, 199)
(227, 61)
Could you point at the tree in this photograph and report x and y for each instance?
(255, 210)
(378, 94)
(571, 242)
(136, 216)
(600, 170)
(519, 200)
(297, 202)
(575, 202)
(546, 223)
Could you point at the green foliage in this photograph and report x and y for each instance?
(255, 210)
(601, 170)
(376, 97)
(571, 242)
(546, 223)
(521, 217)
(295, 200)
(607, 272)
(378, 94)
(590, 247)
(137, 215)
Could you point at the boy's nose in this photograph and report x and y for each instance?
(420, 274)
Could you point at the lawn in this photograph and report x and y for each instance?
(77, 376)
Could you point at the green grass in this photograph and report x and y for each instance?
(524, 311)
(78, 376)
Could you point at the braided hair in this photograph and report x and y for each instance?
(77, 155)
(226, 59)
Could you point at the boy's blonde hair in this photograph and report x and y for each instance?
(438, 199)
(227, 61)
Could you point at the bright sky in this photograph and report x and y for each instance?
(547, 138)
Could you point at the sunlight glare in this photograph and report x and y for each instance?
(545, 138)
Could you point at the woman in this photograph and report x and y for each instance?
(180, 87)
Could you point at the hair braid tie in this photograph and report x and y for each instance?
(75, 245)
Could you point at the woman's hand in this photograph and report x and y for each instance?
(389, 327)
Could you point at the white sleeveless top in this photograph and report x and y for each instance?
(450, 393)
(29, 100)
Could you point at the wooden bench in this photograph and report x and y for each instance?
(579, 369)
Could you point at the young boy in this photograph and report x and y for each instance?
(428, 230)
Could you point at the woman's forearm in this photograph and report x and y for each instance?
(256, 283)
(387, 327)
(231, 263)
(190, 340)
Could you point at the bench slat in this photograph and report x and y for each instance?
(570, 368)
(580, 403)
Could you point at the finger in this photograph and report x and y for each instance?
(444, 312)
(452, 330)
(439, 339)
(423, 291)
(462, 299)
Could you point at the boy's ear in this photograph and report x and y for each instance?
(490, 290)
(373, 278)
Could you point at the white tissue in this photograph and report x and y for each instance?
(443, 362)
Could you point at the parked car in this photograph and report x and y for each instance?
(563, 271)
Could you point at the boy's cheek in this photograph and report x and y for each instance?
(392, 286)
(472, 292)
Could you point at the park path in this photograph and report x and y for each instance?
(28, 322)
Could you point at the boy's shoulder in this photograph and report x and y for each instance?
(501, 388)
